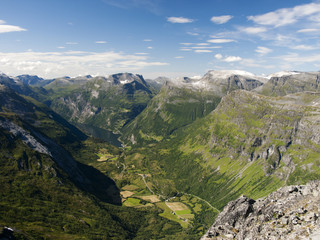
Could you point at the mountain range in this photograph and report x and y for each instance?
(195, 142)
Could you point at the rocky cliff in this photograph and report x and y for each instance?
(107, 103)
(32, 80)
(292, 212)
(281, 84)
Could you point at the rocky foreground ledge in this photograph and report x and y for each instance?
(292, 212)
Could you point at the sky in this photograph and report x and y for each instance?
(172, 38)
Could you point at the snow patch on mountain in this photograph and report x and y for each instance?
(199, 84)
(282, 74)
(196, 77)
(228, 73)
(124, 81)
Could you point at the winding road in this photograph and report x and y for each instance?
(188, 194)
(142, 175)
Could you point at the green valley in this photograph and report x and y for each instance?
(139, 163)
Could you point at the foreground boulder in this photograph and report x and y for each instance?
(292, 212)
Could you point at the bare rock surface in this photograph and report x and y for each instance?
(292, 212)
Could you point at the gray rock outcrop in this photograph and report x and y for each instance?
(292, 212)
(290, 83)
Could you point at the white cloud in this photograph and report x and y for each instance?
(218, 56)
(286, 16)
(232, 59)
(132, 64)
(72, 63)
(150, 47)
(263, 50)
(297, 59)
(202, 51)
(198, 47)
(179, 20)
(220, 40)
(206, 47)
(178, 57)
(141, 53)
(71, 43)
(193, 33)
(152, 6)
(254, 63)
(308, 30)
(61, 47)
(221, 19)
(253, 30)
(202, 44)
(187, 44)
(283, 40)
(147, 40)
(315, 18)
(10, 28)
(227, 58)
(2, 22)
(101, 42)
(304, 47)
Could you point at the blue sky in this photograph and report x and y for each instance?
(53, 38)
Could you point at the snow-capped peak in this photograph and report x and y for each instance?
(282, 73)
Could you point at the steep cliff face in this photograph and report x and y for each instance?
(33, 80)
(108, 103)
(250, 144)
(158, 82)
(225, 81)
(23, 87)
(291, 212)
(258, 127)
(291, 82)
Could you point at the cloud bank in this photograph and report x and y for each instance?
(72, 63)
(4, 28)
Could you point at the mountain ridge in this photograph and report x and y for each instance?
(231, 136)
(182, 101)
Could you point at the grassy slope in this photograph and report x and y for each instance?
(249, 145)
(38, 199)
(281, 86)
(126, 170)
(171, 109)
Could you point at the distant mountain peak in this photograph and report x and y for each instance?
(283, 73)
(124, 78)
(82, 77)
(220, 81)
(31, 80)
